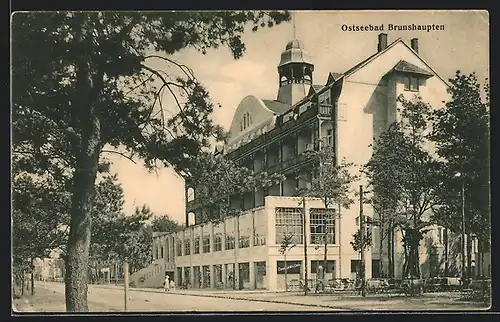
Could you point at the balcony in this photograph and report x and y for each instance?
(325, 110)
(287, 165)
(282, 129)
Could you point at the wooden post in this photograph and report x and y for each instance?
(125, 280)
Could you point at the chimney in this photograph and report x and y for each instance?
(414, 44)
(382, 41)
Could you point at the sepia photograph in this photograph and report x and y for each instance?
(250, 161)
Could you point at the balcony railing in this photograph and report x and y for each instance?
(325, 110)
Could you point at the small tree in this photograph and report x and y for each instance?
(287, 243)
(360, 244)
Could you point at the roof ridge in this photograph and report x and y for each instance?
(369, 58)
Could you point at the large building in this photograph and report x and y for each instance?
(346, 113)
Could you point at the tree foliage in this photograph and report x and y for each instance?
(461, 134)
(331, 182)
(356, 243)
(402, 174)
(216, 179)
(164, 224)
(83, 81)
(287, 243)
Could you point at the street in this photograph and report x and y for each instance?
(112, 300)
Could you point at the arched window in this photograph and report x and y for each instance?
(190, 193)
(247, 121)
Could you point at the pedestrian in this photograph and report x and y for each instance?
(172, 284)
(166, 284)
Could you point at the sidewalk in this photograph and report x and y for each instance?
(49, 301)
(347, 302)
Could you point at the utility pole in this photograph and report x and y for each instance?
(125, 280)
(362, 241)
(306, 287)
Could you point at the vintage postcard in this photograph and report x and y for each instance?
(250, 161)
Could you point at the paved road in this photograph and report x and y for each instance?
(112, 300)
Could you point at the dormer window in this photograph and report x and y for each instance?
(411, 83)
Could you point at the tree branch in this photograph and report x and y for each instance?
(120, 153)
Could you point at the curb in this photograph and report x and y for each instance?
(241, 299)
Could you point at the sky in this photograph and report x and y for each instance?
(462, 45)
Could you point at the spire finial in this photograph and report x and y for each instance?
(293, 23)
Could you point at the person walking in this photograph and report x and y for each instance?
(166, 284)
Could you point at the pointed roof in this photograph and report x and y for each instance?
(405, 67)
(276, 106)
(333, 77)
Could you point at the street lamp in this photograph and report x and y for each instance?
(464, 249)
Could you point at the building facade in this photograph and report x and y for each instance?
(347, 114)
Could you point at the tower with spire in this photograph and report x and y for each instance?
(295, 72)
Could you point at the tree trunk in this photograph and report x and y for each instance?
(390, 251)
(32, 283)
(22, 284)
(89, 83)
(381, 252)
(286, 281)
(81, 207)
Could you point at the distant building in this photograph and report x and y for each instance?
(346, 113)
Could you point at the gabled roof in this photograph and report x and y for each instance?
(372, 57)
(333, 77)
(405, 67)
(363, 62)
(276, 106)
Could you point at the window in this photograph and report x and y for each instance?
(206, 244)
(229, 242)
(196, 245)
(292, 267)
(260, 268)
(329, 137)
(218, 243)
(244, 242)
(161, 252)
(179, 247)
(411, 83)
(376, 268)
(289, 220)
(246, 121)
(322, 225)
(441, 235)
(355, 265)
(315, 264)
(187, 247)
(259, 239)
